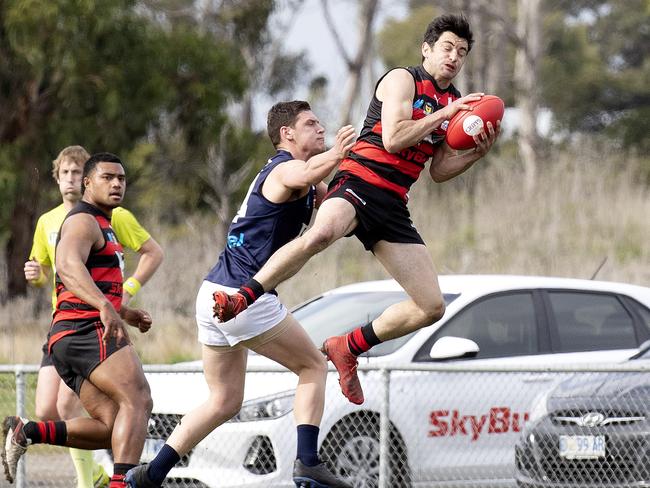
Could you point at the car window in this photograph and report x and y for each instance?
(644, 313)
(590, 321)
(339, 313)
(501, 325)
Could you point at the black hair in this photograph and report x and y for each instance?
(456, 24)
(93, 161)
(283, 114)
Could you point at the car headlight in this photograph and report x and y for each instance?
(271, 407)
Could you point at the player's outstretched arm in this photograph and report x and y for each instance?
(298, 174)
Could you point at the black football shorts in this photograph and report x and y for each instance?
(382, 215)
(46, 359)
(76, 355)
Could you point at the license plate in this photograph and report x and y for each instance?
(150, 449)
(582, 446)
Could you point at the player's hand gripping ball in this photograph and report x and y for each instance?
(468, 123)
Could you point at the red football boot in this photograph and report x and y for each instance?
(226, 307)
(337, 350)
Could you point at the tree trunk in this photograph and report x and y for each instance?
(526, 98)
(247, 98)
(356, 65)
(497, 40)
(23, 217)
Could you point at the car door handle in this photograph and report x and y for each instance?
(538, 378)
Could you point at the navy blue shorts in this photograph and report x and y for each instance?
(381, 215)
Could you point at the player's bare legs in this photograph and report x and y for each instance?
(93, 432)
(412, 267)
(81, 432)
(225, 371)
(295, 350)
(68, 404)
(47, 391)
(121, 378)
(89, 473)
(56, 401)
(335, 219)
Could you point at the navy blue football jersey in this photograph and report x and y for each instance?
(260, 228)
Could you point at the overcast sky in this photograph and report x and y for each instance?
(309, 32)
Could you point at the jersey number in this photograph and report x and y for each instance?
(244, 205)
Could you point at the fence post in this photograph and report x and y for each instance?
(20, 411)
(384, 431)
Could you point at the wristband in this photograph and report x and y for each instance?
(131, 286)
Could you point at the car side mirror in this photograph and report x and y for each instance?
(450, 347)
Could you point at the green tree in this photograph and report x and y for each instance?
(101, 74)
(212, 172)
(596, 72)
(399, 40)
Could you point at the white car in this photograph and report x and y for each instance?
(451, 428)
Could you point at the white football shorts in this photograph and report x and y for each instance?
(264, 314)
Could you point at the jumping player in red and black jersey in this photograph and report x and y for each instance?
(404, 129)
(88, 341)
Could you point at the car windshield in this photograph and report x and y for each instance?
(339, 313)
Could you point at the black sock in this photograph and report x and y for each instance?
(122, 468)
(251, 291)
(369, 335)
(49, 432)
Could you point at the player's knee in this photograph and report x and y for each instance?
(46, 411)
(140, 398)
(315, 365)
(433, 312)
(68, 408)
(226, 406)
(319, 239)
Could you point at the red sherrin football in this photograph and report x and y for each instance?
(468, 123)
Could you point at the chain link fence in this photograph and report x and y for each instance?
(444, 425)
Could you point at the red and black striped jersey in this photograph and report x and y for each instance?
(105, 267)
(396, 172)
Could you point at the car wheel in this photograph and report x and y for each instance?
(351, 450)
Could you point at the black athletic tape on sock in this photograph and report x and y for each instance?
(251, 291)
(369, 335)
(122, 468)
